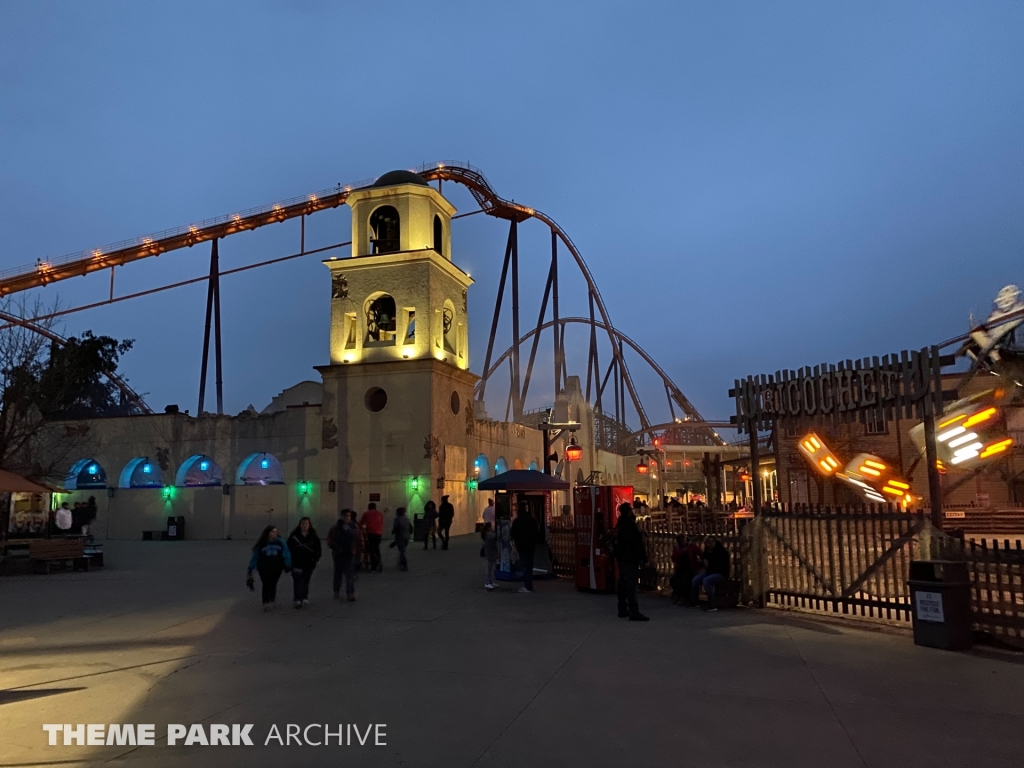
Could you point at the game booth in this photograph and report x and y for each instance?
(514, 491)
(595, 512)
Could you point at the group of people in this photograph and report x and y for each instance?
(438, 522)
(75, 521)
(698, 563)
(299, 554)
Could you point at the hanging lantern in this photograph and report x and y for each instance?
(573, 451)
(643, 468)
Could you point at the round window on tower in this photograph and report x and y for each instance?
(456, 404)
(375, 399)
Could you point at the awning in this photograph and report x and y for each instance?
(12, 483)
(523, 480)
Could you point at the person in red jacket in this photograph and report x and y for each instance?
(373, 523)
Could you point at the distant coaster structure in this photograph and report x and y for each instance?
(610, 387)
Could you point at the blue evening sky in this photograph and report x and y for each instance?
(754, 185)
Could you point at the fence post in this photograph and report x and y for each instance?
(753, 543)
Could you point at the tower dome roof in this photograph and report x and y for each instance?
(391, 178)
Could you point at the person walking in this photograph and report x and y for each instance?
(373, 523)
(430, 523)
(630, 554)
(341, 540)
(490, 553)
(401, 529)
(488, 515)
(525, 534)
(445, 516)
(304, 545)
(270, 557)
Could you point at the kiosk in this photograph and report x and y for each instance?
(516, 490)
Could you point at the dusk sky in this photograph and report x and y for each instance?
(753, 185)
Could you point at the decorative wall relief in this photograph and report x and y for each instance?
(329, 434)
(339, 287)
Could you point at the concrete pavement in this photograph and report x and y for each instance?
(167, 633)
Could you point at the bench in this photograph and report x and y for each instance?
(727, 595)
(46, 553)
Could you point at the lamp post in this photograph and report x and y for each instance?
(547, 427)
(658, 455)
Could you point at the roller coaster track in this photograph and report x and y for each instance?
(694, 419)
(128, 394)
(674, 392)
(44, 272)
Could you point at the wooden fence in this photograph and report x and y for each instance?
(844, 561)
(997, 585)
(839, 560)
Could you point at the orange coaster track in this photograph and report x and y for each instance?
(85, 262)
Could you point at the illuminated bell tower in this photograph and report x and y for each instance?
(398, 387)
(400, 297)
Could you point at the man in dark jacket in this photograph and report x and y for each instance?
(402, 530)
(525, 534)
(715, 573)
(342, 541)
(630, 553)
(445, 515)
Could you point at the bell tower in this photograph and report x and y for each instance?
(399, 297)
(398, 390)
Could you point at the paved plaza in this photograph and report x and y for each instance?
(167, 633)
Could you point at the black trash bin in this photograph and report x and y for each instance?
(940, 594)
(420, 529)
(175, 529)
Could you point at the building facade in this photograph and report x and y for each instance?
(391, 421)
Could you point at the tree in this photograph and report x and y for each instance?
(42, 381)
(72, 383)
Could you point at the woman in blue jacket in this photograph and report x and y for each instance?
(270, 556)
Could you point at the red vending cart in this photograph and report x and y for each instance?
(595, 512)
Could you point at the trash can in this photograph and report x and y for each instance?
(419, 528)
(175, 529)
(940, 594)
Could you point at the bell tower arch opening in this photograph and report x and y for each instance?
(438, 235)
(385, 230)
(381, 320)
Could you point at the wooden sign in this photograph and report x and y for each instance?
(894, 386)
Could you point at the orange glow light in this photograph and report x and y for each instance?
(955, 419)
(995, 448)
(977, 418)
(826, 466)
(869, 471)
(893, 491)
(875, 464)
(898, 484)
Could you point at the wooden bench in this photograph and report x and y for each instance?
(46, 553)
(726, 595)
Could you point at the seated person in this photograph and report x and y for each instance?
(714, 574)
